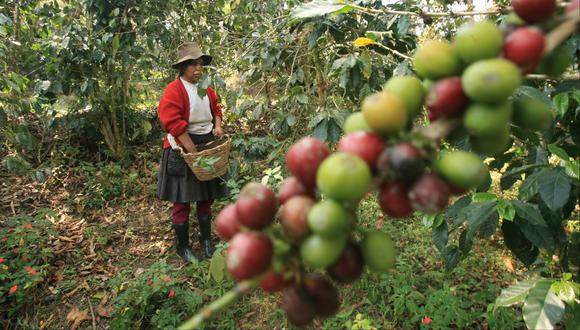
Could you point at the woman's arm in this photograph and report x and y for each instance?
(170, 112)
(217, 128)
(187, 143)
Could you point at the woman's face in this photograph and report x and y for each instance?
(193, 71)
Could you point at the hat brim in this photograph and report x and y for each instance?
(205, 58)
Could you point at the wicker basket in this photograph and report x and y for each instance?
(219, 148)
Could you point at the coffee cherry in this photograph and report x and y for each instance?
(462, 169)
(436, 59)
(303, 159)
(320, 252)
(248, 255)
(534, 11)
(378, 251)
(294, 216)
(256, 206)
(298, 306)
(491, 81)
(403, 162)
(411, 92)
(487, 119)
(394, 200)
(525, 47)
(323, 294)
(291, 187)
(429, 194)
(355, 122)
(349, 266)
(274, 282)
(446, 98)
(478, 40)
(385, 113)
(342, 170)
(367, 146)
(226, 222)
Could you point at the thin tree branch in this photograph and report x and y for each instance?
(224, 301)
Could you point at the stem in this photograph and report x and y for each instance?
(545, 77)
(562, 31)
(224, 301)
(396, 52)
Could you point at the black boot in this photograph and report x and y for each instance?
(182, 243)
(205, 236)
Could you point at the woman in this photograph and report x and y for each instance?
(190, 119)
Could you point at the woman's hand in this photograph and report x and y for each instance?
(218, 132)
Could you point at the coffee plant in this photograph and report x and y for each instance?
(304, 239)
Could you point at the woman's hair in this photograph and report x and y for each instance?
(183, 65)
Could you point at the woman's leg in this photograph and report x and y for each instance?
(204, 217)
(179, 219)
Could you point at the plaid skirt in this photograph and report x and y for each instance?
(177, 183)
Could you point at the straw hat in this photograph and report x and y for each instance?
(190, 51)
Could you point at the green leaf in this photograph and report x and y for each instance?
(321, 130)
(334, 130)
(16, 164)
(217, 267)
(542, 309)
(539, 236)
(529, 212)
(554, 187)
(484, 197)
(565, 290)
(452, 256)
(515, 294)
(318, 8)
(440, 236)
(517, 242)
(481, 213)
(465, 241)
(532, 224)
(558, 151)
(522, 169)
(506, 210)
(454, 210)
(432, 220)
(403, 25)
(562, 102)
(529, 187)
(534, 93)
(116, 43)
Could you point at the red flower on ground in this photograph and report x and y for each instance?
(171, 293)
(1, 260)
(379, 223)
(13, 289)
(28, 225)
(426, 320)
(168, 279)
(31, 270)
(149, 282)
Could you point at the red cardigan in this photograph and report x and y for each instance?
(173, 109)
